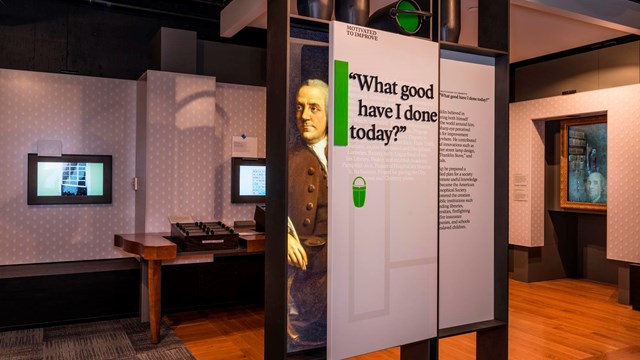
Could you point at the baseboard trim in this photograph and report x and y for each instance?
(68, 267)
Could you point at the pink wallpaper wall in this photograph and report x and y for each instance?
(90, 116)
(240, 109)
(190, 125)
(520, 133)
(191, 121)
(526, 146)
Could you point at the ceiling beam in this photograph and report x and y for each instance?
(621, 15)
(240, 13)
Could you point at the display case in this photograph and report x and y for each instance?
(493, 41)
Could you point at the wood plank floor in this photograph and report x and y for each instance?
(560, 319)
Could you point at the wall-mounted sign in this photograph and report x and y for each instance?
(520, 188)
(244, 146)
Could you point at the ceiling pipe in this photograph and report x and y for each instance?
(150, 10)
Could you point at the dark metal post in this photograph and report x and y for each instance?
(275, 307)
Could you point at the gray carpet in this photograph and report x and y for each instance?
(125, 339)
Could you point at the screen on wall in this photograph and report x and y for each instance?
(69, 179)
(248, 180)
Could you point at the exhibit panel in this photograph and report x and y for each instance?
(84, 115)
(383, 204)
(493, 43)
(466, 253)
(622, 109)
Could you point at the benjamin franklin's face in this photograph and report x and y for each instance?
(311, 117)
(594, 184)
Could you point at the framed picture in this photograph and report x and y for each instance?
(583, 163)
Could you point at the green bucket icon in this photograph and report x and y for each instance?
(359, 192)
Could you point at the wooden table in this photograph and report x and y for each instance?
(152, 249)
(252, 242)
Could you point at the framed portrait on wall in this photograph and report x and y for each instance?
(583, 163)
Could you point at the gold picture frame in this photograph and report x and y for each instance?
(583, 163)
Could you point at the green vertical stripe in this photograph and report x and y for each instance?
(341, 103)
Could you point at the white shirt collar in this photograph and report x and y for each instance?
(318, 149)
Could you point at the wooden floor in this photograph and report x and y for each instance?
(559, 319)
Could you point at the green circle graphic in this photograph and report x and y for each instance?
(408, 22)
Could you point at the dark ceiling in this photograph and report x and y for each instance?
(207, 10)
(103, 38)
(202, 10)
(202, 16)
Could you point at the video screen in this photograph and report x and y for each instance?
(70, 179)
(248, 180)
(252, 180)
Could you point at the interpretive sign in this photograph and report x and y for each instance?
(467, 128)
(383, 197)
(520, 187)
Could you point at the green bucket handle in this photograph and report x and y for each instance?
(359, 177)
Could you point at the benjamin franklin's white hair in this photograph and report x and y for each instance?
(322, 86)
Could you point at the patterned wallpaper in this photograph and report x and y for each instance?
(90, 116)
(519, 165)
(622, 105)
(190, 125)
(537, 177)
(240, 109)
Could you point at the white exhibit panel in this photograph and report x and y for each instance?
(383, 200)
(467, 124)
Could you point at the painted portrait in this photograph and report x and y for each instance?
(583, 166)
(307, 195)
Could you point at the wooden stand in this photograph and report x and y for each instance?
(152, 249)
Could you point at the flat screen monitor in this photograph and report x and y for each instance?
(248, 180)
(69, 179)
